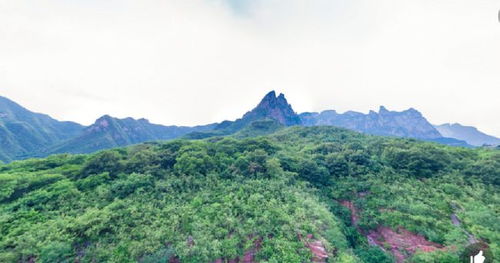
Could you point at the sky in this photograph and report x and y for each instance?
(189, 62)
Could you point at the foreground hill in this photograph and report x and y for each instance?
(298, 195)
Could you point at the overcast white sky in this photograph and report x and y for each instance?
(192, 62)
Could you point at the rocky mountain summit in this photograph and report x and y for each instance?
(276, 108)
(271, 107)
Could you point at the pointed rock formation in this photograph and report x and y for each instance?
(276, 108)
(270, 107)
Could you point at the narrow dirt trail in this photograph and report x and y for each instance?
(456, 222)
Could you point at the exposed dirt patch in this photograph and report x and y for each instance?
(402, 243)
(318, 250)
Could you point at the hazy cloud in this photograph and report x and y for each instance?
(193, 62)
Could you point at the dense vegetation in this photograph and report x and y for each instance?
(199, 201)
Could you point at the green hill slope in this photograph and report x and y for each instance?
(23, 132)
(301, 194)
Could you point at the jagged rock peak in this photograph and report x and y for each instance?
(102, 122)
(411, 111)
(277, 108)
(272, 100)
(270, 95)
(382, 109)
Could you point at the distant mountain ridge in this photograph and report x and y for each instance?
(278, 112)
(108, 132)
(467, 133)
(409, 123)
(26, 134)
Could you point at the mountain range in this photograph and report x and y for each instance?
(408, 123)
(25, 134)
(108, 132)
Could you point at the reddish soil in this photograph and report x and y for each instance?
(402, 243)
(317, 248)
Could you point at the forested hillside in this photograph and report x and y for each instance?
(301, 194)
(23, 132)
